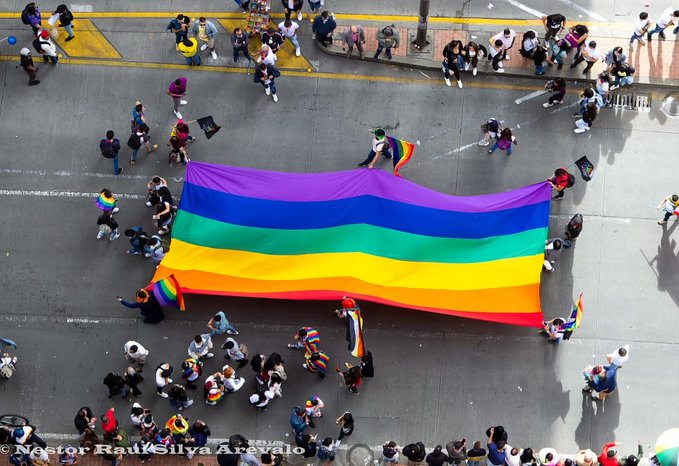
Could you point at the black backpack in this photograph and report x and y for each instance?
(108, 151)
(134, 141)
(571, 180)
(574, 227)
(37, 45)
(24, 14)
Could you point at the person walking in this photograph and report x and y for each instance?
(387, 38)
(668, 205)
(641, 27)
(379, 146)
(163, 373)
(553, 248)
(26, 62)
(471, 53)
(667, 18)
(31, 15)
(178, 397)
(180, 27)
(557, 87)
(317, 363)
(554, 24)
(298, 420)
(43, 43)
(452, 60)
(623, 75)
(588, 117)
(115, 385)
(590, 55)
(354, 36)
(293, 6)
(352, 378)
(138, 116)
(65, 21)
(220, 325)
(323, 27)
(504, 142)
(288, 29)
(188, 47)
(107, 225)
(110, 147)
(239, 41)
(136, 354)
(133, 378)
(147, 304)
(200, 347)
(140, 138)
(192, 369)
(366, 365)
(235, 351)
(206, 31)
(266, 76)
(346, 425)
(177, 90)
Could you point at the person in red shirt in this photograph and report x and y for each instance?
(109, 423)
(609, 457)
(559, 182)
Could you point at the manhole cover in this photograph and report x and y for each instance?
(360, 455)
(670, 105)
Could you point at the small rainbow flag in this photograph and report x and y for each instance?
(105, 204)
(167, 292)
(576, 316)
(403, 152)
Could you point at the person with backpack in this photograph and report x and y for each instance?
(504, 142)
(668, 205)
(560, 181)
(139, 138)
(557, 87)
(138, 116)
(115, 385)
(588, 117)
(109, 150)
(44, 45)
(65, 20)
(379, 146)
(107, 224)
(573, 229)
(26, 62)
(266, 76)
(31, 15)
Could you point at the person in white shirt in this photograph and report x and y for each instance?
(641, 28)
(288, 29)
(200, 347)
(378, 148)
(49, 50)
(667, 19)
(235, 351)
(136, 354)
(590, 55)
(529, 44)
(619, 357)
(266, 56)
(231, 383)
(508, 37)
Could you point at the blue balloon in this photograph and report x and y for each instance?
(12, 40)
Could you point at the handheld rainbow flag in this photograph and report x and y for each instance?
(168, 293)
(574, 320)
(402, 152)
(355, 332)
(360, 233)
(105, 204)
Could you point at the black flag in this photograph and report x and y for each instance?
(208, 125)
(586, 168)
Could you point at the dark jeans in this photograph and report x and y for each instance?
(288, 13)
(379, 50)
(34, 438)
(497, 59)
(448, 68)
(31, 76)
(342, 434)
(557, 97)
(668, 215)
(550, 34)
(240, 48)
(579, 60)
(324, 39)
(371, 156)
(271, 85)
(359, 46)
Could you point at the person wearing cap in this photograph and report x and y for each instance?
(668, 205)
(608, 456)
(619, 356)
(206, 31)
(200, 347)
(29, 67)
(379, 146)
(387, 38)
(49, 50)
(586, 457)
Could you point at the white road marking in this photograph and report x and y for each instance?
(526, 8)
(79, 8)
(82, 320)
(532, 95)
(591, 14)
(27, 192)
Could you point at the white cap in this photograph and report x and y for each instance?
(24, 51)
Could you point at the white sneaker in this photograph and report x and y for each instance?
(614, 87)
(298, 52)
(275, 98)
(466, 66)
(506, 56)
(299, 16)
(500, 65)
(483, 143)
(162, 394)
(214, 55)
(188, 403)
(116, 209)
(499, 70)
(474, 71)
(148, 204)
(267, 91)
(447, 82)
(183, 102)
(579, 130)
(100, 235)
(459, 84)
(209, 355)
(547, 104)
(115, 236)
(203, 47)
(443, 68)
(178, 115)
(595, 395)
(660, 222)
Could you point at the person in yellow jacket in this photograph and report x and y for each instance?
(189, 48)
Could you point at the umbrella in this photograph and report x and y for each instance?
(667, 447)
(7, 342)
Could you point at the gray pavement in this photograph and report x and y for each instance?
(438, 377)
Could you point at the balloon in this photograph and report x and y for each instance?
(12, 40)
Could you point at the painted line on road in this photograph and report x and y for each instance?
(526, 8)
(584, 10)
(53, 193)
(532, 95)
(16, 171)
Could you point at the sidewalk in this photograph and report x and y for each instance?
(656, 64)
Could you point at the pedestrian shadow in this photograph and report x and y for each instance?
(615, 143)
(666, 264)
(599, 420)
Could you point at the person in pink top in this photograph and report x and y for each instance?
(177, 91)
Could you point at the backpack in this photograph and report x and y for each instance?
(134, 141)
(574, 227)
(37, 45)
(571, 180)
(108, 151)
(24, 14)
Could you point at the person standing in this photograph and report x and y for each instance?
(529, 44)
(496, 450)
(326, 451)
(236, 352)
(496, 54)
(177, 90)
(323, 27)
(266, 76)
(668, 205)
(452, 59)
(115, 385)
(178, 397)
(387, 38)
(206, 31)
(147, 304)
(140, 138)
(588, 117)
(554, 24)
(366, 365)
(590, 55)
(179, 26)
(266, 56)
(49, 51)
(84, 419)
(608, 456)
(317, 363)
(163, 373)
(641, 27)
(354, 36)
(539, 59)
(490, 129)
(273, 39)
(507, 37)
(293, 6)
(504, 142)
(553, 248)
(110, 147)
(65, 20)
(476, 455)
(557, 87)
(31, 15)
(133, 378)
(136, 354)
(352, 378)
(614, 57)
(346, 425)
(239, 41)
(188, 47)
(298, 420)
(200, 347)
(107, 224)
(379, 146)
(619, 356)
(667, 19)
(220, 325)
(288, 29)
(192, 369)
(560, 181)
(437, 457)
(29, 67)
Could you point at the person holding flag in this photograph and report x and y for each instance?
(317, 363)
(148, 306)
(306, 338)
(669, 206)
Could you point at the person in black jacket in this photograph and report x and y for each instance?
(472, 52)
(273, 39)
(116, 385)
(65, 20)
(110, 147)
(308, 442)
(437, 457)
(84, 419)
(29, 67)
(107, 224)
(452, 54)
(239, 41)
(148, 305)
(366, 365)
(266, 75)
(415, 452)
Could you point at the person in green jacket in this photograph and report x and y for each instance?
(387, 38)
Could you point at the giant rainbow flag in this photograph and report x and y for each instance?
(363, 233)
